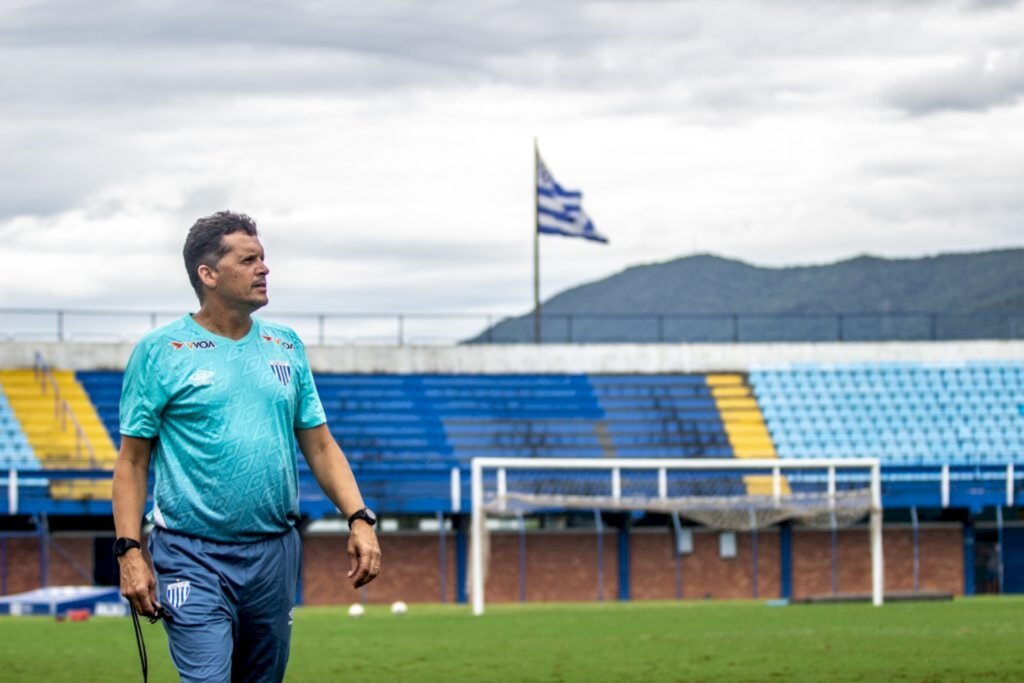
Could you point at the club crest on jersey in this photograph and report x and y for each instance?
(282, 370)
(287, 345)
(193, 345)
(177, 593)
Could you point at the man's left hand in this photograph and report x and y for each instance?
(364, 554)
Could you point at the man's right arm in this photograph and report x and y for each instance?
(131, 477)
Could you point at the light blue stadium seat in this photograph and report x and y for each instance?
(942, 413)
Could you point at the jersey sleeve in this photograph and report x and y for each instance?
(310, 411)
(143, 395)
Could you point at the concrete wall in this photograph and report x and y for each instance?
(556, 358)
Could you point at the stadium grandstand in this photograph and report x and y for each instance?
(944, 419)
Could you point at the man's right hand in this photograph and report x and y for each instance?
(138, 585)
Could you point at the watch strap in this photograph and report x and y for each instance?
(123, 545)
(363, 514)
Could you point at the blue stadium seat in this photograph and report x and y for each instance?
(397, 420)
(15, 451)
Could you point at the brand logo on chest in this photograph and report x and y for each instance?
(201, 378)
(193, 345)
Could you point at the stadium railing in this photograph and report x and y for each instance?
(402, 329)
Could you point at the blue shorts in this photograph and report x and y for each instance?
(230, 604)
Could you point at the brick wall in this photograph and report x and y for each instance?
(410, 570)
(71, 560)
(708, 575)
(22, 570)
(940, 551)
(562, 565)
(65, 552)
(559, 566)
(703, 574)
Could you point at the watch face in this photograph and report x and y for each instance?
(366, 514)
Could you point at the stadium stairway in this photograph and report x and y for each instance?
(745, 426)
(52, 435)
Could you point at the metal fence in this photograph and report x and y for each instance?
(84, 325)
(111, 325)
(406, 489)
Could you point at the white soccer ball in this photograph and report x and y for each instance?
(356, 610)
(398, 607)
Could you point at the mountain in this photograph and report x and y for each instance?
(709, 298)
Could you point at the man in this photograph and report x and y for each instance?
(216, 398)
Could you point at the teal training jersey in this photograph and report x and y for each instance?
(223, 415)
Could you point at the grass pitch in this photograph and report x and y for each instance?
(965, 640)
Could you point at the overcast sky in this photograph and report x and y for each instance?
(386, 148)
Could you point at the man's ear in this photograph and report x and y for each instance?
(207, 275)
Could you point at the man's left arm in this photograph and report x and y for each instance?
(332, 471)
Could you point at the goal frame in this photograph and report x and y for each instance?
(615, 466)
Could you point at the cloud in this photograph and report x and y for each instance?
(281, 48)
(992, 4)
(659, 52)
(386, 148)
(995, 79)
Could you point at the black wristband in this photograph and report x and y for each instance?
(365, 514)
(123, 545)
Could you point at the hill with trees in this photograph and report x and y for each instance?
(710, 298)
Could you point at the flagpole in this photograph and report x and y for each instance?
(536, 244)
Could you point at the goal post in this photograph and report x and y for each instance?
(729, 494)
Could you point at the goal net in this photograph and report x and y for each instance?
(723, 494)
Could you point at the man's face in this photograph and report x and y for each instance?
(241, 275)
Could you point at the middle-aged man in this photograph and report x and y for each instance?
(215, 400)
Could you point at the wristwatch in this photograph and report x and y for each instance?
(123, 545)
(365, 514)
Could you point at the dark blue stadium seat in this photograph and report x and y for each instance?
(451, 418)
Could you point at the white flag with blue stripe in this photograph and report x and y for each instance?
(560, 211)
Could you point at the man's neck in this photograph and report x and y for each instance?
(224, 322)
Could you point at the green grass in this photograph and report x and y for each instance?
(965, 640)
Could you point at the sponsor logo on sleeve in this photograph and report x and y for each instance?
(193, 345)
(282, 370)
